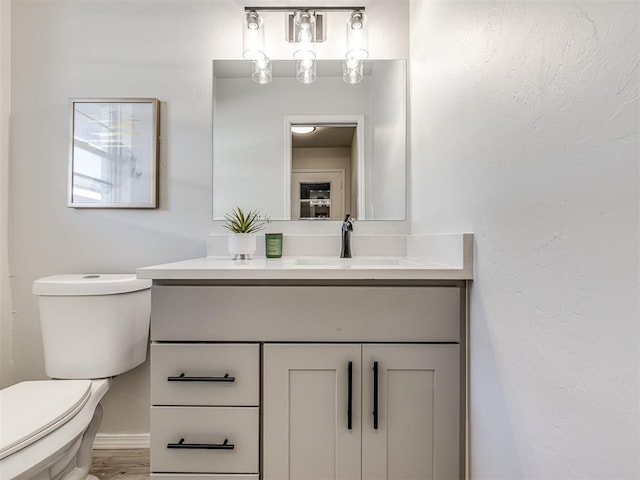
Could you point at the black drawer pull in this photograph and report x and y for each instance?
(375, 395)
(203, 446)
(183, 378)
(350, 396)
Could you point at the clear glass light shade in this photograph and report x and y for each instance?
(304, 30)
(261, 71)
(352, 71)
(357, 36)
(306, 71)
(253, 37)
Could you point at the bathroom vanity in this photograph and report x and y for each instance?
(294, 368)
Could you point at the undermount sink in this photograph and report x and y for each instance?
(328, 261)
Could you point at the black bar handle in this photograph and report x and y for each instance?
(375, 395)
(350, 395)
(183, 378)
(203, 446)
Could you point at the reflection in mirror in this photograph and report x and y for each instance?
(113, 153)
(258, 163)
(324, 171)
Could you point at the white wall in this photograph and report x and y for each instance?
(6, 354)
(525, 132)
(138, 48)
(106, 49)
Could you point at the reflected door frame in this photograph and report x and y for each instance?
(358, 121)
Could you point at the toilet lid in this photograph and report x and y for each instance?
(30, 410)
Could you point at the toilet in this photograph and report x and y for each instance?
(93, 328)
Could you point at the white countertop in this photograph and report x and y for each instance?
(307, 268)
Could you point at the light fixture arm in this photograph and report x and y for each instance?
(302, 9)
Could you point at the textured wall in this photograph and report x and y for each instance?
(525, 132)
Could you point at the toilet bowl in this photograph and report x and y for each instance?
(93, 328)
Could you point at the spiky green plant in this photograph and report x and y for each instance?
(240, 222)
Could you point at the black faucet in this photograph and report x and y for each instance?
(347, 228)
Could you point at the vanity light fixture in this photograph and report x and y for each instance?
(306, 27)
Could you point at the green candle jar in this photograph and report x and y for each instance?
(273, 245)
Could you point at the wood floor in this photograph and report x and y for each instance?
(120, 464)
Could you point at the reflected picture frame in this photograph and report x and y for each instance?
(114, 152)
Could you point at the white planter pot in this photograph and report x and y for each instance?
(242, 245)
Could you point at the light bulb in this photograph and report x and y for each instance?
(253, 37)
(304, 24)
(357, 38)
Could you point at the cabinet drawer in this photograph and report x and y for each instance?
(203, 431)
(211, 374)
(306, 313)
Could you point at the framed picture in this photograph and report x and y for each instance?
(113, 153)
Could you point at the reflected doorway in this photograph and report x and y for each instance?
(318, 195)
(325, 169)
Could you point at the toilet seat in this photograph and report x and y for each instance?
(52, 450)
(38, 408)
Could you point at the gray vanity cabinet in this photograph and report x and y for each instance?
(304, 390)
(372, 411)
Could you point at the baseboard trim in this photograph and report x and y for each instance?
(121, 441)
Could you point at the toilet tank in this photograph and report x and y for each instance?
(93, 326)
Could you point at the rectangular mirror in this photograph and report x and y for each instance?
(356, 147)
(113, 153)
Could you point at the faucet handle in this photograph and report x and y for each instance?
(347, 223)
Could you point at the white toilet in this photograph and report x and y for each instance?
(93, 328)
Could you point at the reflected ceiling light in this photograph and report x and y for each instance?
(352, 71)
(261, 71)
(306, 71)
(306, 27)
(303, 129)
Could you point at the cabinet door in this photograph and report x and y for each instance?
(418, 432)
(306, 403)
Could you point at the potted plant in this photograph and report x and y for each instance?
(243, 227)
